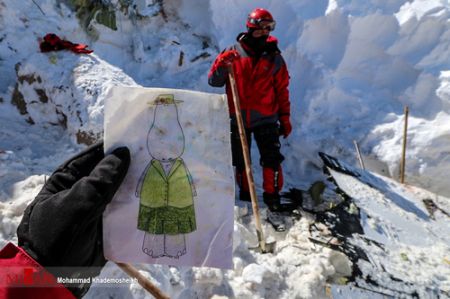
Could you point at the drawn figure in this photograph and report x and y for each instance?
(166, 189)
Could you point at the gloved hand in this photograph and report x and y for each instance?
(285, 126)
(62, 227)
(226, 58)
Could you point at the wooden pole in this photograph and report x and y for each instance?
(403, 160)
(358, 152)
(143, 281)
(248, 166)
(181, 58)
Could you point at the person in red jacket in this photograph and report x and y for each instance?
(60, 235)
(262, 81)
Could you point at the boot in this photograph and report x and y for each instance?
(274, 212)
(272, 201)
(277, 220)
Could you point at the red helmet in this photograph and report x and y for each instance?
(260, 18)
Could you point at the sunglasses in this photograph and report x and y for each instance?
(263, 24)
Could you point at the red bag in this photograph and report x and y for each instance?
(52, 42)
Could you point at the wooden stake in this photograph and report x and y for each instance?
(143, 281)
(181, 58)
(248, 166)
(403, 162)
(358, 152)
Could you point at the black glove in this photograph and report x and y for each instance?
(62, 227)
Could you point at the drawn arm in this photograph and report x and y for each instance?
(191, 180)
(141, 180)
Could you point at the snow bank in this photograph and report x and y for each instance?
(353, 65)
(403, 227)
(67, 90)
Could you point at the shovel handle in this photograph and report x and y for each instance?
(245, 151)
(143, 281)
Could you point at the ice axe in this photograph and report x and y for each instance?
(263, 246)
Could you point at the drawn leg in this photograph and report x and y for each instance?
(153, 245)
(175, 245)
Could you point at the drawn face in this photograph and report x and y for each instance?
(165, 140)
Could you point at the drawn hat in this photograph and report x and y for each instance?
(165, 99)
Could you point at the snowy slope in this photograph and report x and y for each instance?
(353, 65)
(401, 227)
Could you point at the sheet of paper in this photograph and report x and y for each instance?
(175, 205)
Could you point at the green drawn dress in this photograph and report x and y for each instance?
(166, 205)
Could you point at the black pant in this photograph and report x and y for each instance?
(268, 141)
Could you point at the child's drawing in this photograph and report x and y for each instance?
(166, 189)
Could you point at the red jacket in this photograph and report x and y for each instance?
(262, 84)
(22, 277)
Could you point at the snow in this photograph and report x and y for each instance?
(386, 202)
(354, 65)
(398, 228)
